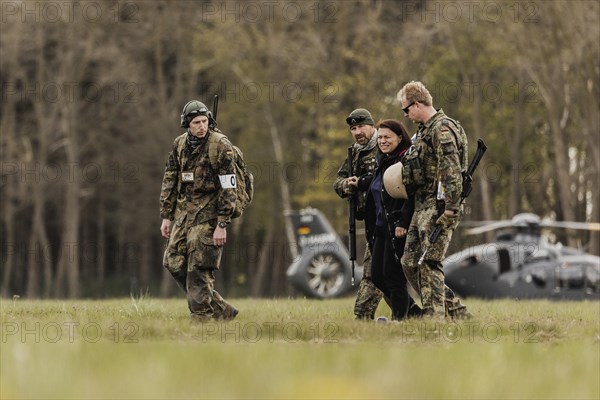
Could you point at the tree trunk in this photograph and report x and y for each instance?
(102, 247)
(9, 240)
(10, 193)
(39, 250)
(286, 204)
(486, 201)
(514, 201)
(283, 185)
(68, 262)
(591, 125)
(266, 258)
(561, 167)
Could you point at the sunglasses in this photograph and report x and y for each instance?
(356, 120)
(407, 108)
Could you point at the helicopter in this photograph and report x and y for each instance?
(322, 268)
(523, 264)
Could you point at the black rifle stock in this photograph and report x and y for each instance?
(351, 218)
(467, 186)
(468, 175)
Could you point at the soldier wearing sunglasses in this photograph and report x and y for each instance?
(433, 173)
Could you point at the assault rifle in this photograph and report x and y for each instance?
(467, 186)
(213, 119)
(351, 218)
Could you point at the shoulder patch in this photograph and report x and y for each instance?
(445, 135)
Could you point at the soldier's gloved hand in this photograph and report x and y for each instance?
(447, 220)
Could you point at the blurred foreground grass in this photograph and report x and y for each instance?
(296, 348)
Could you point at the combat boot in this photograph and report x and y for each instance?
(229, 313)
(460, 313)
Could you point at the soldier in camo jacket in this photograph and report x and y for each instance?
(364, 163)
(196, 204)
(433, 172)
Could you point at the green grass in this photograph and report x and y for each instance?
(147, 348)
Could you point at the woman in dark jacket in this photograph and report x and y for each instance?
(387, 220)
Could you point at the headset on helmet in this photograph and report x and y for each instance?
(191, 110)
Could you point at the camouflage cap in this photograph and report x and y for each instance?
(360, 116)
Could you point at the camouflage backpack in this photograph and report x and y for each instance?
(244, 180)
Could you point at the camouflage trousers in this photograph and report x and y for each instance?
(428, 279)
(192, 259)
(368, 295)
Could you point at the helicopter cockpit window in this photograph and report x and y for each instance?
(471, 260)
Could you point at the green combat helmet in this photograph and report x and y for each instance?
(193, 109)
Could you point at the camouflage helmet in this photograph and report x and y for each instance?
(360, 116)
(191, 110)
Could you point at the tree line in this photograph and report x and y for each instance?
(92, 93)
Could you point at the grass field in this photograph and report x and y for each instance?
(147, 348)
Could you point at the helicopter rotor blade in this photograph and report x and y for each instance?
(474, 224)
(489, 227)
(590, 226)
(526, 221)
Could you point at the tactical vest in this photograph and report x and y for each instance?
(209, 182)
(420, 163)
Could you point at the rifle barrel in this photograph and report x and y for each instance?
(215, 107)
(351, 218)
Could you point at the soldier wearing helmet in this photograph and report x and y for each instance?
(196, 204)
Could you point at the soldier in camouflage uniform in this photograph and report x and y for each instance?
(196, 204)
(434, 174)
(364, 133)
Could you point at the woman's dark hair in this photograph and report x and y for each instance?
(396, 126)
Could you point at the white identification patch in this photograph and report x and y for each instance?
(187, 177)
(228, 181)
